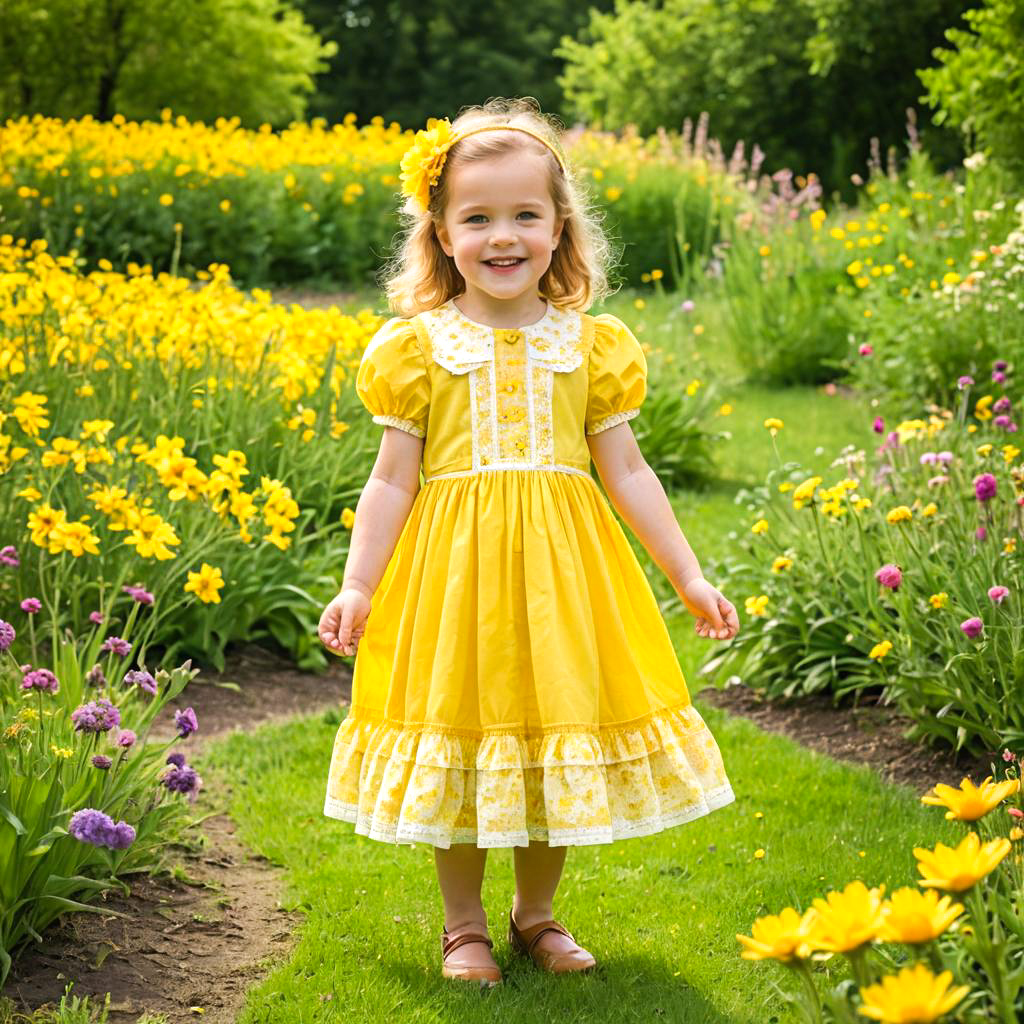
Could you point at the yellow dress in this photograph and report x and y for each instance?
(515, 680)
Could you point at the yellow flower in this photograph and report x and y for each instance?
(914, 916)
(760, 526)
(756, 606)
(613, 192)
(166, 199)
(984, 450)
(423, 161)
(779, 937)
(914, 996)
(152, 536)
(639, 303)
(348, 517)
(805, 491)
(205, 584)
(970, 802)
(781, 562)
(657, 275)
(848, 919)
(773, 424)
(957, 869)
(855, 268)
(77, 538)
(930, 509)
(900, 514)
(880, 650)
(725, 409)
(691, 388)
(939, 600)
(759, 855)
(765, 250)
(817, 218)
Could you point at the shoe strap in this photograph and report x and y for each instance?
(531, 936)
(454, 941)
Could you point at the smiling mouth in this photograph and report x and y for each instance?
(514, 262)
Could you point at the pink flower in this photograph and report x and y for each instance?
(879, 425)
(938, 481)
(687, 306)
(1009, 755)
(998, 593)
(981, 533)
(96, 617)
(865, 349)
(890, 576)
(31, 605)
(928, 458)
(984, 487)
(972, 627)
(1015, 812)
(945, 457)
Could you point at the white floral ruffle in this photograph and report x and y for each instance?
(576, 786)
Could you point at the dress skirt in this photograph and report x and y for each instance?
(516, 681)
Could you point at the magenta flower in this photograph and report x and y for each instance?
(879, 425)
(138, 593)
(964, 382)
(893, 438)
(865, 349)
(31, 605)
(984, 487)
(998, 593)
(186, 722)
(96, 617)
(40, 679)
(1000, 364)
(998, 376)
(7, 635)
(96, 716)
(1004, 422)
(972, 627)
(9, 556)
(116, 645)
(126, 738)
(1001, 404)
(890, 576)
(981, 533)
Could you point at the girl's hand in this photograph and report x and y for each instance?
(716, 616)
(343, 621)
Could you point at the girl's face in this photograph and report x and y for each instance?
(500, 209)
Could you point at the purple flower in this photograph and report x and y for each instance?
(116, 645)
(176, 758)
(98, 829)
(96, 716)
(126, 738)
(945, 457)
(998, 376)
(102, 761)
(138, 593)
(972, 627)
(8, 556)
(1001, 404)
(984, 487)
(928, 458)
(142, 679)
(879, 425)
(31, 605)
(186, 722)
(964, 382)
(40, 679)
(1000, 364)
(890, 576)
(7, 635)
(1004, 422)
(121, 836)
(96, 617)
(998, 593)
(183, 779)
(95, 676)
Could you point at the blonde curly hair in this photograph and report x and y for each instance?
(421, 276)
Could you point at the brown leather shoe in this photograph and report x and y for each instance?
(452, 968)
(525, 943)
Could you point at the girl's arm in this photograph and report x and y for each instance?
(636, 492)
(382, 509)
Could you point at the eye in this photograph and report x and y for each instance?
(526, 213)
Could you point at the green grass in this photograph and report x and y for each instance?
(660, 913)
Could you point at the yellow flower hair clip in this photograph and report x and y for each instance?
(423, 161)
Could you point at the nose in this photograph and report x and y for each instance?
(503, 234)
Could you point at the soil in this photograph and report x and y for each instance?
(194, 941)
(871, 734)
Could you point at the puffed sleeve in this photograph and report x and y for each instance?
(618, 375)
(392, 379)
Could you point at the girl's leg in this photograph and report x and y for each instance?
(538, 872)
(460, 872)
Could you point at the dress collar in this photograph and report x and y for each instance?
(460, 344)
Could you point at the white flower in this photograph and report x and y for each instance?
(975, 161)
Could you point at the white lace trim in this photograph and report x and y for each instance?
(613, 420)
(444, 838)
(502, 466)
(397, 421)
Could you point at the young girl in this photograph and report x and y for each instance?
(515, 685)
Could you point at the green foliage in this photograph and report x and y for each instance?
(768, 72)
(254, 59)
(828, 625)
(47, 774)
(979, 85)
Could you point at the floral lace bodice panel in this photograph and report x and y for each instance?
(486, 398)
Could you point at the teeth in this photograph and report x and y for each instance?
(504, 263)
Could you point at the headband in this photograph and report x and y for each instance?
(424, 160)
